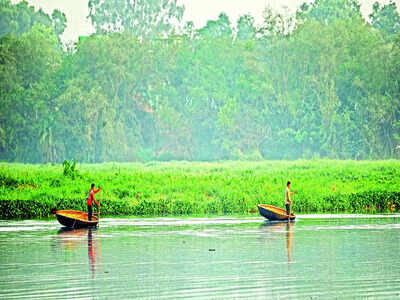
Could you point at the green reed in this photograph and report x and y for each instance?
(196, 188)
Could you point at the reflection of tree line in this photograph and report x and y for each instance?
(73, 239)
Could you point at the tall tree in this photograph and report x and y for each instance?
(245, 28)
(143, 18)
(324, 85)
(29, 62)
(275, 23)
(386, 18)
(107, 98)
(218, 28)
(59, 22)
(327, 11)
(21, 17)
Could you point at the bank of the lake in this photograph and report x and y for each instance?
(200, 188)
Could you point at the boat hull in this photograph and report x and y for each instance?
(75, 219)
(274, 213)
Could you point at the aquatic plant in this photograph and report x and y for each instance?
(183, 188)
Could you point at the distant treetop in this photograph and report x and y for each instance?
(20, 17)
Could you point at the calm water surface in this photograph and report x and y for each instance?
(211, 258)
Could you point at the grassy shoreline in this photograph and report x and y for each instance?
(196, 188)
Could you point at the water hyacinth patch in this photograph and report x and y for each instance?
(195, 188)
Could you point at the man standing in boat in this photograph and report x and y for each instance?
(288, 200)
(90, 201)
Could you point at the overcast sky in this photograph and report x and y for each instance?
(198, 11)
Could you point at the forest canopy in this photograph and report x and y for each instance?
(323, 83)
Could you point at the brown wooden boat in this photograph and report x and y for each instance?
(75, 219)
(274, 213)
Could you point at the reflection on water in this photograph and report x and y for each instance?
(289, 238)
(91, 251)
(72, 239)
(284, 227)
(162, 258)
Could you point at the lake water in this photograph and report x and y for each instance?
(316, 257)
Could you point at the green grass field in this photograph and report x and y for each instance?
(197, 188)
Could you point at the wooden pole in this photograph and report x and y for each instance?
(290, 207)
(99, 205)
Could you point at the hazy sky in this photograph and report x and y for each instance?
(198, 11)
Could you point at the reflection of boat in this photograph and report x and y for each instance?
(278, 228)
(289, 239)
(274, 213)
(92, 251)
(72, 239)
(75, 219)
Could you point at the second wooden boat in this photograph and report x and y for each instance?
(75, 219)
(274, 213)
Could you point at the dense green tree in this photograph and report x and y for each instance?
(323, 83)
(106, 98)
(275, 24)
(386, 18)
(218, 28)
(246, 29)
(59, 22)
(142, 18)
(20, 17)
(328, 11)
(28, 64)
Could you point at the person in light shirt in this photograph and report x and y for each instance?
(288, 200)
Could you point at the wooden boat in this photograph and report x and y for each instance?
(274, 213)
(75, 219)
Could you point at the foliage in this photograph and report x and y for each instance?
(29, 116)
(143, 18)
(70, 169)
(329, 11)
(321, 84)
(19, 18)
(386, 18)
(183, 188)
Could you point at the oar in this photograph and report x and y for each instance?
(99, 206)
(290, 207)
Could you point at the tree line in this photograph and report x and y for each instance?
(324, 82)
